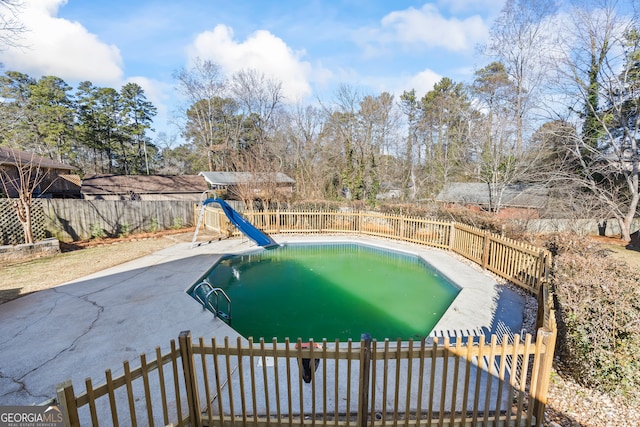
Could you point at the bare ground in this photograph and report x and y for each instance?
(569, 404)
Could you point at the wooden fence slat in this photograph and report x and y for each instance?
(219, 381)
(253, 380)
(432, 380)
(147, 389)
(229, 382)
(443, 387)
(207, 389)
(501, 373)
(162, 386)
(348, 410)
(265, 380)
(478, 371)
(407, 404)
(176, 383)
(288, 358)
(489, 364)
(130, 396)
(325, 391)
(421, 355)
(92, 402)
(112, 398)
(456, 372)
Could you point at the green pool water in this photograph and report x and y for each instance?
(337, 290)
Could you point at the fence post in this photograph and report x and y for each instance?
(67, 399)
(452, 233)
(548, 337)
(485, 250)
(365, 368)
(190, 382)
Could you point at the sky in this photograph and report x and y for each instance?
(311, 46)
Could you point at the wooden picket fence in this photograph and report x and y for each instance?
(468, 381)
(520, 263)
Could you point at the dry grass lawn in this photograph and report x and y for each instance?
(80, 259)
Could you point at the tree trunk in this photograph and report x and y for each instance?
(26, 225)
(22, 207)
(627, 221)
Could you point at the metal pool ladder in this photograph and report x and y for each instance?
(211, 297)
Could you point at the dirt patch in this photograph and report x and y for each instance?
(92, 243)
(620, 250)
(79, 259)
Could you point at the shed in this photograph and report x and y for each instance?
(529, 198)
(241, 185)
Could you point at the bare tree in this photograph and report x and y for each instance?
(259, 98)
(494, 157)
(20, 179)
(306, 157)
(519, 39)
(11, 26)
(601, 73)
(202, 89)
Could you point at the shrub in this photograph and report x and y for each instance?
(124, 230)
(177, 223)
(154, 226)
(97, 232)
(598, 307)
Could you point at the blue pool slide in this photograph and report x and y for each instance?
(243, 225)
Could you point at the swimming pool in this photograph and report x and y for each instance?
(328, 290)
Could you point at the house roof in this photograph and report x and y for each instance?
(229, 178)
(477, 193)
(12, 156)
(143, 184)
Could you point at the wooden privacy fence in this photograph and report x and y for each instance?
(497, 381)
(74, 219)
(70, 219)
(465, 382)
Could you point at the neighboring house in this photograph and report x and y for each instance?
(58, 179)
(143, 187)
(389, 191)
(518, 200)
(239, 185)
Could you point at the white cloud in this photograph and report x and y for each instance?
(261, 51)
(59, 47)
(426, 27)
(423, 82)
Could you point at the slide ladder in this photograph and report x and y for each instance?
(249, 230)
(201, 207)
